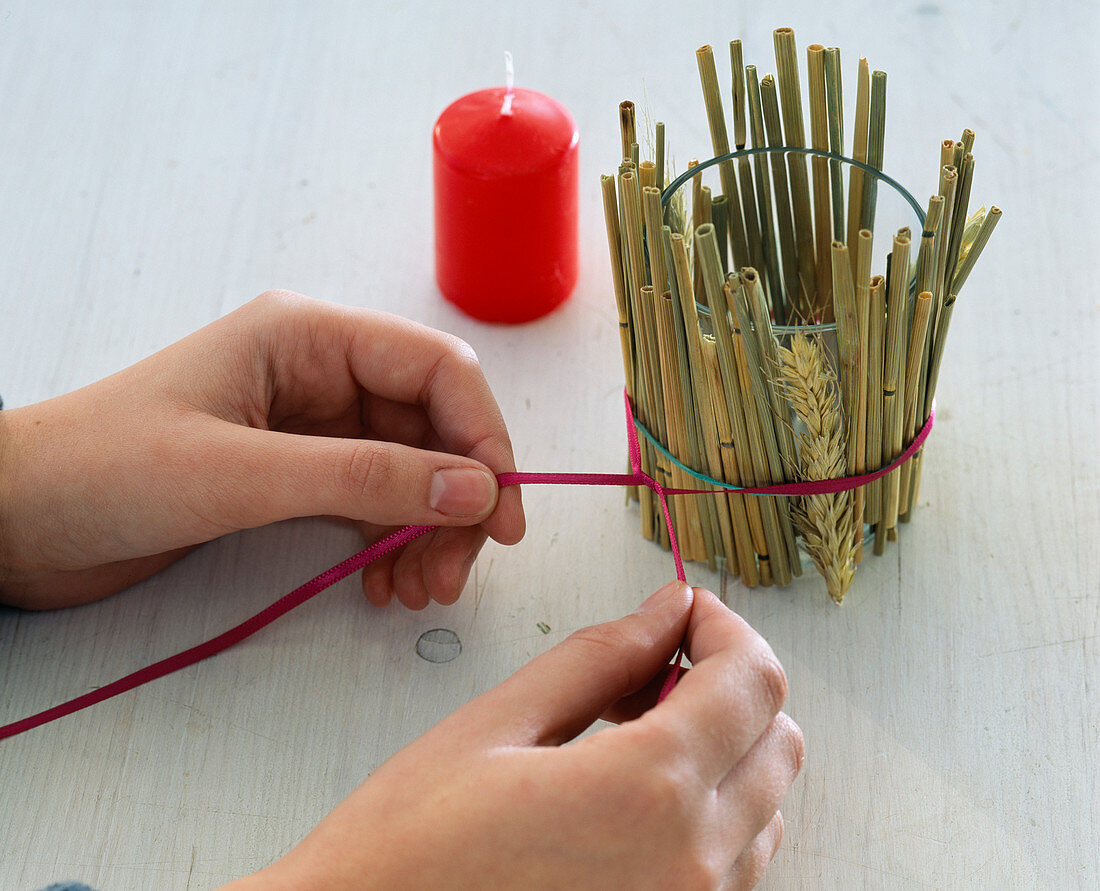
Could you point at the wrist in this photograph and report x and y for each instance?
(291, 874)
(338, 855)
(270, 878)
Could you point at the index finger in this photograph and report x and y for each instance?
(735, 688)
(407, 362)
(412, 363)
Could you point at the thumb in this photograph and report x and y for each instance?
(560, 693)
(275, 476)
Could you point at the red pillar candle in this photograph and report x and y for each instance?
(505, 164)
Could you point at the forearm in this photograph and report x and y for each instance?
(63, 533)
(12, 499)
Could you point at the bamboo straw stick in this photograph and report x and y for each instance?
(769, 364)
(926, 254)
(763, 354)
(859, 428)
(752, 221)
(748, 525)
(927, 262)
(938, 339)
(876, 137)
(696, 222)
(773, 283)
(773, 531)
(716, 118)
(749, 206)
(636, 277)
(717, 539)
(730, 510)
(659, 154)
(786, 60)
(704, 215)
(971, 228)
(942, 324)
(952, 284)
(967, 141)
(689, 525)
(734, 442)
(622, 305)
(947, 153)
(823, 221)
(626, 335)
(675, 375)
(967, 261)
(628, 281)
(741, 412)
(850, 361)
(848, 348)
(788, 294)
(647, 175)
(647, 391)
(651, 215)
(958, 218)
(626, 126)
(834, 95)
(876, 329)
(719, 216)
(625, 167)
(760, 422)
(948, 183)
(737, 76)
(891, 531)
(949, 179)
(659, 423)
(897, 317)
(917, 337)
(857, 178)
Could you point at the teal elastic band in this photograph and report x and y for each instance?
(671, 189)
(695, 474)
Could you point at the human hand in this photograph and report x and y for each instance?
(287, 407)
(683, 794)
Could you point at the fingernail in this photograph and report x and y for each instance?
(660, 596)
(462, 492)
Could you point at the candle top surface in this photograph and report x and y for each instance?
(475, 136)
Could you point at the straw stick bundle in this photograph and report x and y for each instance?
(758, 345)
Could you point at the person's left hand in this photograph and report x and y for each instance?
(288, 407)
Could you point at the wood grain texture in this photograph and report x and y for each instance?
(163, 163)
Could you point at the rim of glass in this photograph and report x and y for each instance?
(674, 186)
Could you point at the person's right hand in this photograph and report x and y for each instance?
(683, 794)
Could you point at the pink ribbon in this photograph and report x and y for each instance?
(403, 536)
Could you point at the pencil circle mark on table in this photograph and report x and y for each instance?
(438, 645)
(403, 536)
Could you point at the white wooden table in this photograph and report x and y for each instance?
(163, 163)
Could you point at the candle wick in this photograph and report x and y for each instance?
(509, 80)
